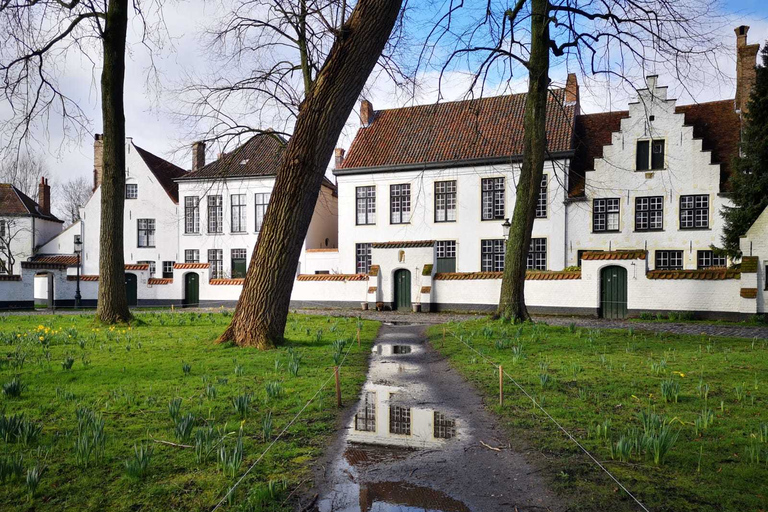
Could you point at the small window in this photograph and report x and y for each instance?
(146, 231)
(493, 198)
(365, 419)
(649, 213)
(445, 253)
(543, 199)
(605, 215)
(492, 255)
(239, 263)
(669, 260)
(399, 420)
(708, 259)
(191, 256)
(537, 254)
(366, 205)
(694, 212)
(152, 267)
(131, 191)
(400, 203)
(650, 155)
(168, 269)
(445, 201)
(363, 264)
(216, 261)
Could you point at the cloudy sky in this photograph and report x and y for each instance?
(151, 106)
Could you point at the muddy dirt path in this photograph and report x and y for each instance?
(414, 441)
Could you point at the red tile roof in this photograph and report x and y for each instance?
(633, 254)
(69, 260)
(749, 293)
(258, 156)
(136, 266)
(37, 265)
(237, 281)
(477, 129)
(591, 133)
(710, 274)
(15, 203)
(403, 244)
(187, 266)
(426, 289)
(531, 275)
(332, 277)
(159, 280)
(4, 277)
(83, 278)
(165, 172)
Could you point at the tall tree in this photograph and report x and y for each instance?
(71, 196)
(37, 36)
(614, 38)
(749, 183)
(331, 87)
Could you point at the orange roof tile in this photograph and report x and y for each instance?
(136, 266)
(83, 278)
(59, 259)
(332, 277)
(10, 278)
(159, 280)
(371, 289)
(710, 274)
(236, 281)
(749, 293)
(426, 289)
(187, 266)
(533, 275)
(633, 254)
(403, 244)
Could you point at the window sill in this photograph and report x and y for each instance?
(193, 234)
(444, 221)
(365, 225)
(238, 232)
(649, 230)
(606, 232)
(145, 247)
(695, 229)
(499, 219)
(399, 223)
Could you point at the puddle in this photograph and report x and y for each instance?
(403, 497)
(390, 349)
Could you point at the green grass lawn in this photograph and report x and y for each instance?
(695, 404)
(164, 379)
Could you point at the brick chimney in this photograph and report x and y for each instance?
(571, 89)
(746, 58)
(98, 159)
(44, 196)
(198, 155)
(339, 154)
(366, 113)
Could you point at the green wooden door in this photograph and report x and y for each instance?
(613, 292)
(132, 289)
(191, 289)
(402, 289)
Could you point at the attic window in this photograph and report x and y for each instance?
(650, 155)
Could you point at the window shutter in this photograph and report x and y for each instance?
(657, 157)
(642, 155)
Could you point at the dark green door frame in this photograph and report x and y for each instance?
(402, 287)
(613, 292)
(132, 289)
(191, 289)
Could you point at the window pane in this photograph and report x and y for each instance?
(657, 155)
(541, 203)
(643, 149)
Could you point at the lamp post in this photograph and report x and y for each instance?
(505, 226)
(78, 250)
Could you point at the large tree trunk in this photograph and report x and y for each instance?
(261, 313)
(113, 303)
(512, 299)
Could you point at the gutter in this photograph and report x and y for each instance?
(446, 163)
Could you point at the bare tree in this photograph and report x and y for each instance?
(609, 38)
(36, 38)
(11, 230)
(311, 60)
(72, 196)
(23, 172)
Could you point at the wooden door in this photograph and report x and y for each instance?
(613, 292)
(132, 289)
(191, 289)
(402, 289)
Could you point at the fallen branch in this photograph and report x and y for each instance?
(490, 447)
(160, 441)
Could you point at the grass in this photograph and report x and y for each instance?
(680, 420)
(85, 407)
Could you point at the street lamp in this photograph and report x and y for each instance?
(506, 225)
(78, 250)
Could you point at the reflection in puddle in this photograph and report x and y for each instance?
(402, 497)
(390, 349)
(401, 349)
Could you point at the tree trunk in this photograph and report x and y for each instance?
(512, 299)
(262, 310)
(113, 303)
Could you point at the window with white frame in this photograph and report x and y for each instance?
(191, 256)
(445, 201)
(152, 267)
(363, 261)
(131, 191)
(191, 214)
(493, 198)
(649, 213)
(605, 215)
(168, 269)
(694, 212)
(400, 203)
(543, 200)
(537, 254)
(399, 420)
(215, 214)
(262, 201)
(669, 260)
(216, 262)
(238, 219)
(708, 259)
(146, 231)
(365, 419)
(445, 254)
(365, 205)
(492, 255)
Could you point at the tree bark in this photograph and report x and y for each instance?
(113, 303)
(512, 299)
(262, 310)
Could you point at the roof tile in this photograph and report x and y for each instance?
(631, 254)
(403, 244)
(710, 274)
(164, 171)
(188, 266)
(332, 277)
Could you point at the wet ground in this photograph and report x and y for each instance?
(420, 439)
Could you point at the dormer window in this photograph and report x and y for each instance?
(650, 154)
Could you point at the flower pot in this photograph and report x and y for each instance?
(416, 308)
(364, 306)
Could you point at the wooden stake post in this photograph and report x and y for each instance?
(338, 386)
(501, 386)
